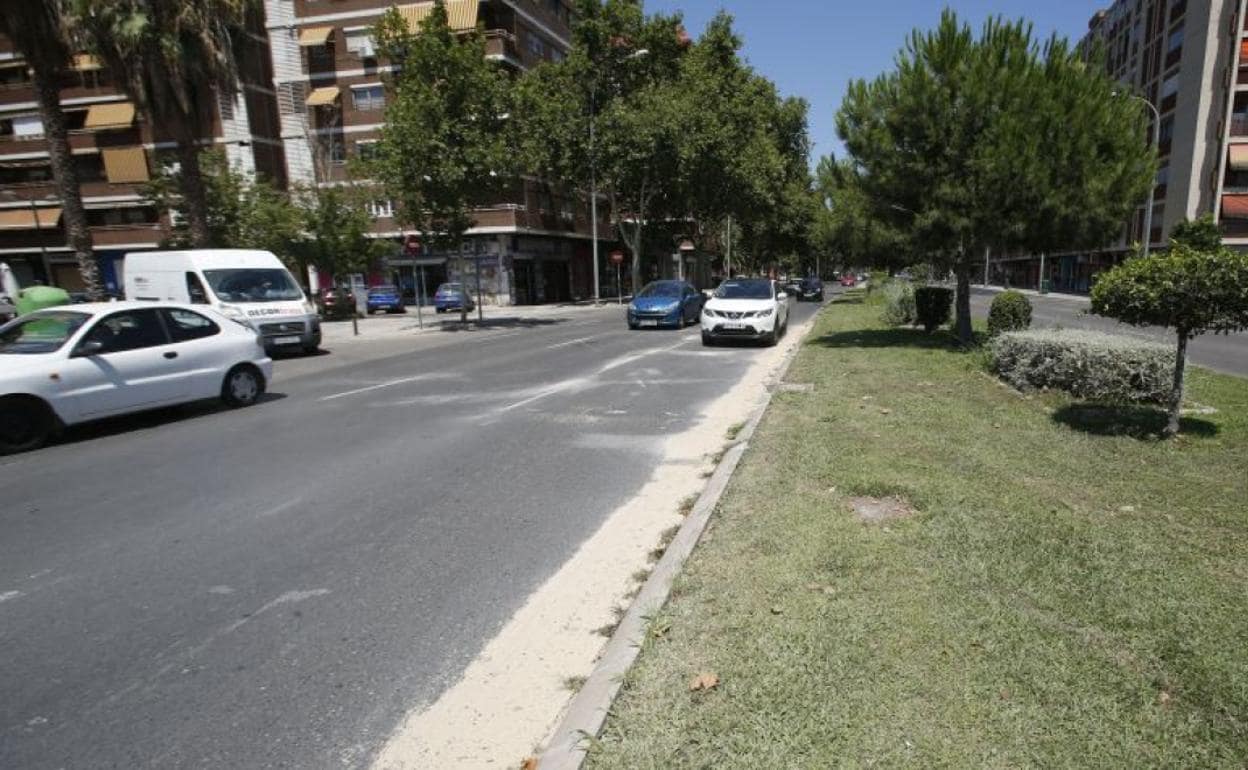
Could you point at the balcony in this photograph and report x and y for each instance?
(104, 236)
(501, 44)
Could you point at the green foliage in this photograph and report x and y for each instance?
(1086, 364)
(899, 304)
(972, 141)
(443, 148)
(1184, 289)
(1010, 312)
(1201, 234)
(336, 223)
(932, 306)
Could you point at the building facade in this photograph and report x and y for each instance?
(115, 152)
(533, 246)
(1190, 61)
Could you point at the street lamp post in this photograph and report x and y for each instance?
(1152, 185)
(593, 170)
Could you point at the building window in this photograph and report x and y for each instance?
(366, 149)
(360, 42)
(1163, 176)
(23, 127)
(1165, 133)
(1170, 86)
(369, 98)
(381, 209)
(536, 47)
(1176, 39)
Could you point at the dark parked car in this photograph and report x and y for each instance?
(451, 296)
(810, 289)
(385, 298)
(665, 303)
(335, 303)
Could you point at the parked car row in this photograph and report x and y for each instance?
(741, 308)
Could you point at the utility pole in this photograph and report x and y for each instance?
(593, 183)
(987, 251)
(728, 256)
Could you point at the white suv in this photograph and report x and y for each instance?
(746, 308)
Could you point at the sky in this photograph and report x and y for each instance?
(814, 48)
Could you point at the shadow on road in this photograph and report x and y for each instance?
(498, 323)
(1133, 420)
(154, 418)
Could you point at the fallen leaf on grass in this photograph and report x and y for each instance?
(704, 681)
(1164, 698)
(530, 763)
(867, 398)
(1127, 509)
(886, 411)
(777, 610)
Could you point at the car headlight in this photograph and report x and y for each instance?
(765, 313)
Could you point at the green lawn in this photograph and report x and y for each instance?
(1068, 594)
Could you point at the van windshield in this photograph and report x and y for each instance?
(253, 285)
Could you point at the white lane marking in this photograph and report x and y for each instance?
(381, 385)
(6, 595)
(286, 506)
(546, 392)
(570, 343)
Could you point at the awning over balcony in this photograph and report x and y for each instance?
(113, 115)
(462, 14)
(24, 219)
(323, 96)
(312, 36)
(1243, 53)
(85, 62)
(1235, 206)
(1239, 157)
(128, 165)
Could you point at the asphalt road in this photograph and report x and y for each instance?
(1221, 352)
(278, 586)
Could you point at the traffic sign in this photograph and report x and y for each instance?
(411, 245)
(617, 257)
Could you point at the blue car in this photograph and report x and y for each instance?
(385, 298)
(665, 303)
(451, 296)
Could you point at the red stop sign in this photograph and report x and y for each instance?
(617, 257)
(411, 246)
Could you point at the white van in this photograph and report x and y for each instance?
(250, 286)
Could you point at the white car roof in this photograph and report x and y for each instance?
(102, 308)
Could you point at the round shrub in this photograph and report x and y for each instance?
(1086, 364)
(933, 305)
(898, 304)
(1010, 312)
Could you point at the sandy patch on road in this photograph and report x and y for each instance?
(509, 699)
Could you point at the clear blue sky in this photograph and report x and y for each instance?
(814, 48)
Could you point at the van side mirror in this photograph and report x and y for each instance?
(89, 348)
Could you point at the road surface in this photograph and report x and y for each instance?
(279, 586)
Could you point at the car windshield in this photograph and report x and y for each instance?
(755, 289)
(253, 285)
(449, 288)
(41, 333)
(661, 289)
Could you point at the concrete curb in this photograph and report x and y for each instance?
(587, 712)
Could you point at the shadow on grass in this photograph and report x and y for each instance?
(1133, 420)
(941, 339)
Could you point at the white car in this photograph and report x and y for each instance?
(76, 363)
(746, 308)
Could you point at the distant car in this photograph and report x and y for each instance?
(335, 303)
(746, 308)
(792, 287)
(387, 298)
(810, 289)
(76, 363)
(451, 296)
(665, 303)
(849, 280)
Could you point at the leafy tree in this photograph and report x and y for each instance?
(1201, 234)
(1190, 290)
(42, 33)
(983, 140)
(336, 226)
(175, 59)
(443, 150)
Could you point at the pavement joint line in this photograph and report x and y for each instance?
(587, 712)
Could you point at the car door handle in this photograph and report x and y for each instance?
(171, 354)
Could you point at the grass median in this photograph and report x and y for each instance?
(1043, 584)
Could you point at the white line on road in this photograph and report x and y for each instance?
(579, 341)
(379, 386)
(6, 595)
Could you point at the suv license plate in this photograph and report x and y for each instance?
(734, 325)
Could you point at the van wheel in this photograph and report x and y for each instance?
(243, 386)
(25, 424)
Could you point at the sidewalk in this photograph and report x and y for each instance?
(1033, 293)
(405, 324)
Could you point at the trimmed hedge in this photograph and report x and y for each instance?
(1086, 364)
(933, 305)
(1010, 312)
(899, 307)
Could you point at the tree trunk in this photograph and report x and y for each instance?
(194, 197)
(962, 304)
(73, 214)
(463, 285)
(1176, 392)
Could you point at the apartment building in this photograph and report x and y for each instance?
(532, 246)
(1190, 61)
(115, 152)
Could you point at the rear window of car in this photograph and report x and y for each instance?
(382, 290)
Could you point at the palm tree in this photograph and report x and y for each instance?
(40, 31)
(175, 58)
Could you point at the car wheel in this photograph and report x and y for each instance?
(311, 350)
(25, 424)
(770, 338)
(243, 386)
(707, 340)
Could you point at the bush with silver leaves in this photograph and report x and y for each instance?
(1086, 364)
(898, 304)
